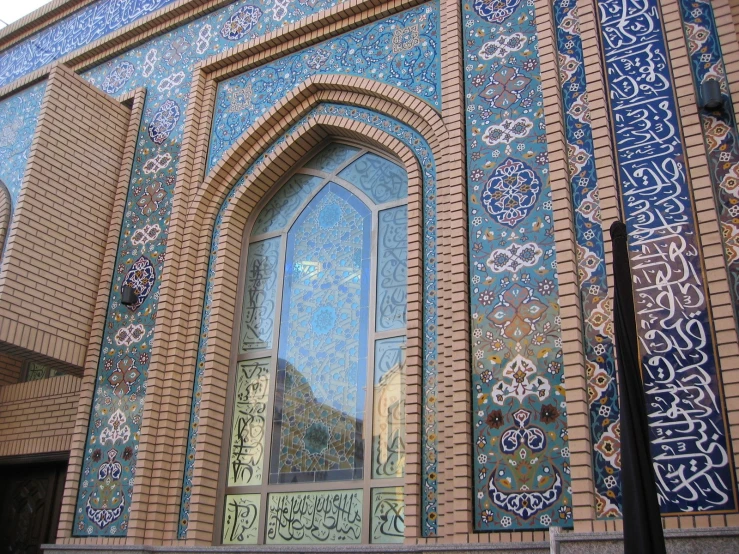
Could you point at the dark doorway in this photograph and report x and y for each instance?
(30, 500)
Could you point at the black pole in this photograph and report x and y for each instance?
(641, 516)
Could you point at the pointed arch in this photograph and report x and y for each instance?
(290, 142)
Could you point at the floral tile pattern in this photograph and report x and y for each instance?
(687, 421)
(596, 305)
(401, 50)
(74, 31)
(719, 128)
(521, 477)
(163, 66)
(421, 149)
(18, 117)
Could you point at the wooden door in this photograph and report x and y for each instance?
(30, 499)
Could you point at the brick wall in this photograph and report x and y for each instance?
(53, 258)
(10, 369)
(38, 417)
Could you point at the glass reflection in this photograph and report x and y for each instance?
(388, 417)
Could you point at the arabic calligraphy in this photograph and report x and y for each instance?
(688, 431)
(241, 523)
(315, 517)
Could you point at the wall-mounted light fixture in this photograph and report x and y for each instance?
(128, 295)
(711, 95)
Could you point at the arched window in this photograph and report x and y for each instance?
(314, 453)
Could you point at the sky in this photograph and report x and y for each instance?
(10, 10)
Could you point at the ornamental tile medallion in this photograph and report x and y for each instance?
(719, 129)
(521, 467)
(590, 250)
(685, 408)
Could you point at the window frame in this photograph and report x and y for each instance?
(264, 489)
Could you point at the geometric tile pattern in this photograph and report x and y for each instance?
(688, 429)
(401, 50)
(18, 117)
(591, 270)
(521, 455)
(719, 129)
(422, 150)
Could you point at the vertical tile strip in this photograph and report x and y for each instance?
(719, 128)
(690, 444)
(521, 476)
(596, 305)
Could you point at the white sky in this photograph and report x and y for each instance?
(10, 10)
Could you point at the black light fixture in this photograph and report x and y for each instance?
(128, 295)
(711, 95)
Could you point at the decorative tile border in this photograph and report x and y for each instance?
(423, 152)
(18, 117)
(74, 31)
(591, 270)
(402, 50)
(690, 444)
(719, 129)
(521, 474)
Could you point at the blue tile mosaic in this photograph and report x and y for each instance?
(18, 117)
(322, 355)
(689, 440)
(423, 153)
(401, 50)
(521, 454)
(392, 269)
(591, 266)
(719, 128)
(74, 31)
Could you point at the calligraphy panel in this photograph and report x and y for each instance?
(246, 461)
(241, 519)
(260, 291)
(332, 157)
(689, 441)
(315, 517)
(322, 364)
(388, 516)
(379, 178)
(392, 269)
(521, 453)
(388, 419)
(591, 267)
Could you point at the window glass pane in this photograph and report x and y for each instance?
(392, 269)
(380, 179)
(282, 207)
(36, 371)
(315, 517)
(249, 422)
(260, 289)
(388, 418)
(322, 360)
(388, 515)
(241, 519)
(332, 157)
